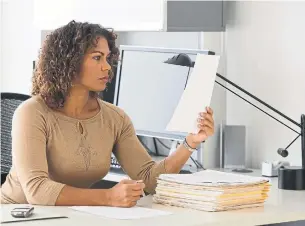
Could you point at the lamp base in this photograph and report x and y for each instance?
(291, 178)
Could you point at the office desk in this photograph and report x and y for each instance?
(281, 206)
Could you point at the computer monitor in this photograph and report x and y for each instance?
(148, 89)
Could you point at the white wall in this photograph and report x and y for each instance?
(265, 55)
(21, 42)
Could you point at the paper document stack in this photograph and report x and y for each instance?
(211, 190)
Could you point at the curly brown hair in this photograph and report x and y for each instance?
(61, 56)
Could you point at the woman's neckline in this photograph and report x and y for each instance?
(72, 119)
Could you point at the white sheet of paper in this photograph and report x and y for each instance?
(121, 213)
(212, 178)
(196, 96)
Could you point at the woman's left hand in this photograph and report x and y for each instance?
(206, 128)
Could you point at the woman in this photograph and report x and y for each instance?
(63, 136)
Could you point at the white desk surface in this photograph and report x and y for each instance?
(281, 206)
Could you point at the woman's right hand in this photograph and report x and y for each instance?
(126, 193)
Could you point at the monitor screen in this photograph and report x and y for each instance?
(149, 90)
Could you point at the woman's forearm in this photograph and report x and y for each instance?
(175, 161)
(71, 196)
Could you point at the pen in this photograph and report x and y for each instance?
(140, 181)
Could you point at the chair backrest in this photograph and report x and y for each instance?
(9, 103)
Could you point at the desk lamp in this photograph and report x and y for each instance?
(290, 177)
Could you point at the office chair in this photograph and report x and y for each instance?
(9, 103)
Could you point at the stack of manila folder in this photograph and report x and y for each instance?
(211, 190)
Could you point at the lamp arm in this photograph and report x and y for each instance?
(303, 140)
(302, 125)
(257, 107)
(259, 100)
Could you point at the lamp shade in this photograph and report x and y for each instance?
(181, 59)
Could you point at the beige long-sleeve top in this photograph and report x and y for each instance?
(50, 151)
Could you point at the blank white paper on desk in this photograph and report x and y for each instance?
(121, 213)
(196, 96)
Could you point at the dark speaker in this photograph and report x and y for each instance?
(233, 146)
